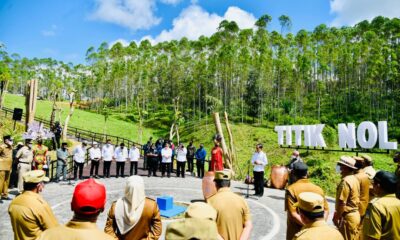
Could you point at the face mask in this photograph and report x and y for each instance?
(338, 169)
(29, 145)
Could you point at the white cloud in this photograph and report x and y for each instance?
(172, 2)
(50, 32)
(350, 12)
(133, 14)
(195, 21)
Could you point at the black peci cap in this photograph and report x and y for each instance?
(387, 180)
(300, 169)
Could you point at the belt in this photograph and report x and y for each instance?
(25, 162)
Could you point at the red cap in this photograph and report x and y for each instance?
(89, 197)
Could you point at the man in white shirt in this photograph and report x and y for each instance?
(121, 155)
(107, 155)
(95, 156)
(166, 155)
(181, 160)
(134, 155)
(79, 156)
(259, 160)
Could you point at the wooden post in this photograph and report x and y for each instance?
(30, 98)
(218, 127)
(71, 111)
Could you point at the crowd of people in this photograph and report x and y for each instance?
(366, 205)
(133, 216)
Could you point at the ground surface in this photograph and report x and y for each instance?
(269, 218)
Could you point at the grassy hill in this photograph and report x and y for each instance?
(322, 163)
(116, 124)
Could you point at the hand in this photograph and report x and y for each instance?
(336, 219)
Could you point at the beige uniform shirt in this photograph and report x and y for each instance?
(348, 191)
(382, 219)
(232, 213)
(30, 215)
(292, 196)
(318, 230)
(25, 155)
(364, 191)
(75, 230)
(5, 158)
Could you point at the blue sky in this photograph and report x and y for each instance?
(65, 29)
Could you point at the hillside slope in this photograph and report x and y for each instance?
(322, 163)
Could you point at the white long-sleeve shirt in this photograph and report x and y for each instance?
(107, 152)
(166, 154)
(121, 155)
(79, 154)
(261, 158)
(134, 154)
(181, 154)
(95, 153)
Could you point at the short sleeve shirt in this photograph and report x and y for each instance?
(232, 213)
(348, 191)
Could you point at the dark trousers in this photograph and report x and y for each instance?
(120, 169)
(190, 164)
(133, 165)
(180, 169)
(78, 166)
(172, 164)
(95, 167)
(166, 167)
(106, 168)
(200, 168)
(152, 164)
(259, 182)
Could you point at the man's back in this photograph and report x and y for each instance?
(30, 216)
(317, 230)
(362, 177)
(292, 196)
(75, 230)
(232, 213)
(382, 219)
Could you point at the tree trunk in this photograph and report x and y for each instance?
(3, 89)
(71, 111)
(218, 127)
(31, 96)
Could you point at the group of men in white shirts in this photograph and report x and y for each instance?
(107, 153)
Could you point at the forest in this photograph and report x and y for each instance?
(328, 75)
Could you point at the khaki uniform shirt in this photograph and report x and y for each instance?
(148, 227)
(318, 230)
(25, 155)
(348, 191)
(30, 215)
(5, 157)
(232, 213)
(75, 230)
(192, 228)
(382, 219)
(292, 196)
(364, 191)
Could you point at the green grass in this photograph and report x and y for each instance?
(321, 163)
(116, 125)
